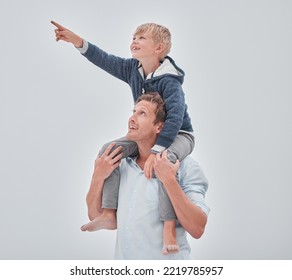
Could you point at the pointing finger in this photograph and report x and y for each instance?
(59, 26)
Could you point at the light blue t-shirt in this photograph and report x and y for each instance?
(139, 234)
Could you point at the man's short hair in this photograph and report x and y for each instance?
(155, 98)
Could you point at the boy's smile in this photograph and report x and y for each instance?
(142, 46)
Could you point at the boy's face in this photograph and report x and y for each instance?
(144, 47)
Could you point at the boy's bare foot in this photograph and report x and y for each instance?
(107, 220)
(170, 245)
(169, 249)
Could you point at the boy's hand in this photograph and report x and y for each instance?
(66, 35)
(148, 167)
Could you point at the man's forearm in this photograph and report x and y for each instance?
(93, 198)
(190, 216)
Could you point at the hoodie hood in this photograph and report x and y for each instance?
(167, 67)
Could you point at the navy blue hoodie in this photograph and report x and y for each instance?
(166, 80)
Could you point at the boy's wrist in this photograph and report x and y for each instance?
(84, 46)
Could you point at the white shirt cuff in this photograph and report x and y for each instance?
(84, 48)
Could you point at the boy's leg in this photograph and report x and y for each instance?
(106, 220)
(167, 215)
(182, 146)
(110, 193)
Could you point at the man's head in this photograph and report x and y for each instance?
(159, 34)
(156, 99)
(147, 119)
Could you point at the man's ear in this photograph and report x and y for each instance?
(159, 127)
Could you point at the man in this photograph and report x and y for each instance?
(139, 228)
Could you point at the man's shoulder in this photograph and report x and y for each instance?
(189, 167)
(189, 161)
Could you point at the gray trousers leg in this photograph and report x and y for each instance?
(182, 146)
(111, 185)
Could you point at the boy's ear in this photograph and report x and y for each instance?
(159, 48)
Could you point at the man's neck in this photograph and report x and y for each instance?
(143, 155)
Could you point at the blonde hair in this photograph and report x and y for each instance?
(160, 34)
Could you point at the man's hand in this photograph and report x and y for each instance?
(163, 168)
(107, 162)
(149, 166)
(66, 35)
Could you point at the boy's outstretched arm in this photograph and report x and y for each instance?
(67, 35)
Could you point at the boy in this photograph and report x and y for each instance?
(150, 70)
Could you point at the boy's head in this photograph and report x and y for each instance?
(159, 33)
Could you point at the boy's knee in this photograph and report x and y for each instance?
(104, 147)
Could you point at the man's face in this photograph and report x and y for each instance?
(140, 125)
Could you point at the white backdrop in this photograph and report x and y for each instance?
(56, 110)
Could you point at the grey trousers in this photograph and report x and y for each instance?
(182, 146)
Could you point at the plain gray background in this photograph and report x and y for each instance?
(57, 109)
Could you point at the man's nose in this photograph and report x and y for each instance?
(132, 119)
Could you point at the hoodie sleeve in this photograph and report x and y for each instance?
(114, 65)
(173, 96)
